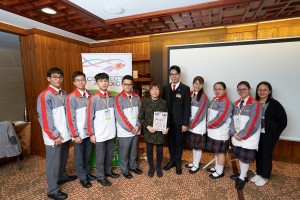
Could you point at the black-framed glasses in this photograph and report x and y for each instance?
(127, 85)
(80, 80)
(57, 77)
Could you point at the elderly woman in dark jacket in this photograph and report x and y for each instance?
(153, 137)
(274, 121)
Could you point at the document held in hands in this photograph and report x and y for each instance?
(160, 121)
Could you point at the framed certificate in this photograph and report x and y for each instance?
(160, 121)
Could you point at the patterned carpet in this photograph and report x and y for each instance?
(29, 183)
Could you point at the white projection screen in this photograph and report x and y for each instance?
(276, 61)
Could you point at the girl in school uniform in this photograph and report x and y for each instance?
(245, 131)
(218, 123)
(196, 137)
(273, 122)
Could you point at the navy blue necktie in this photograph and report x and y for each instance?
(241, 104)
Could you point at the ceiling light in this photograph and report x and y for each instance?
(49, 11)
(113, 9)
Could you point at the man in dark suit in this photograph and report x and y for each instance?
(178, 99)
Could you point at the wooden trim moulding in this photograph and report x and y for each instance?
(12, 29)
(118, 42)
(55, 36)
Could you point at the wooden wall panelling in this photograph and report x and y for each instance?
(242, 33)
(39, 53)
(139, 48)
(279, 29)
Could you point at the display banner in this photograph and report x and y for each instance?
(116, 65)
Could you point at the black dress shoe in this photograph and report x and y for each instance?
(68, 179)
(194, 171)
(211, 169)
(127, 175)
(86, 183)
(240, 184)
(189, 165)
(136, 171)
(104, 182)
(236, 177)
(169, 165)
(216, 177)
(151, 171)
(112, 175)
(159, 172)
(58, 196)
(178, 169)
(91, 177)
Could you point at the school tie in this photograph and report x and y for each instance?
(84, 95)
(241, 104)
(173, 89)
(129, 96)
(105, 95)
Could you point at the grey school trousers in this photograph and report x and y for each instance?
(52, 167)
(64, 155)
(104, 153)
(82, 153)
(128, 152)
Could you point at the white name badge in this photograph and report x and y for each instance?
(132, 114)
(107, 115)
(237, 124)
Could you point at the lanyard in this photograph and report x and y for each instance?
(106, 102)
(240, 111)
(61, 97)
(194, 98)
(213, 104)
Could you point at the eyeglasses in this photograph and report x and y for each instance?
(242, 90)
(80, 80)
(263, 90)
(174, 74)
(57, 77)
(127, 85)
(218, 90)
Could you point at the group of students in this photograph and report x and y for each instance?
(252, 124)
(87, 118)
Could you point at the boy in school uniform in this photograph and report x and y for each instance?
(76, 108)
(52, 118)
(128, 127)
(102, 128)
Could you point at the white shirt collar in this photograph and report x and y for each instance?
(245, 101)
(176, 85)
(56, 89)
(81, 92)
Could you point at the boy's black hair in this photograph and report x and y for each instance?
(77, 73)
(101, 76)
(128, 77)
(176, 68)
(55, 70)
